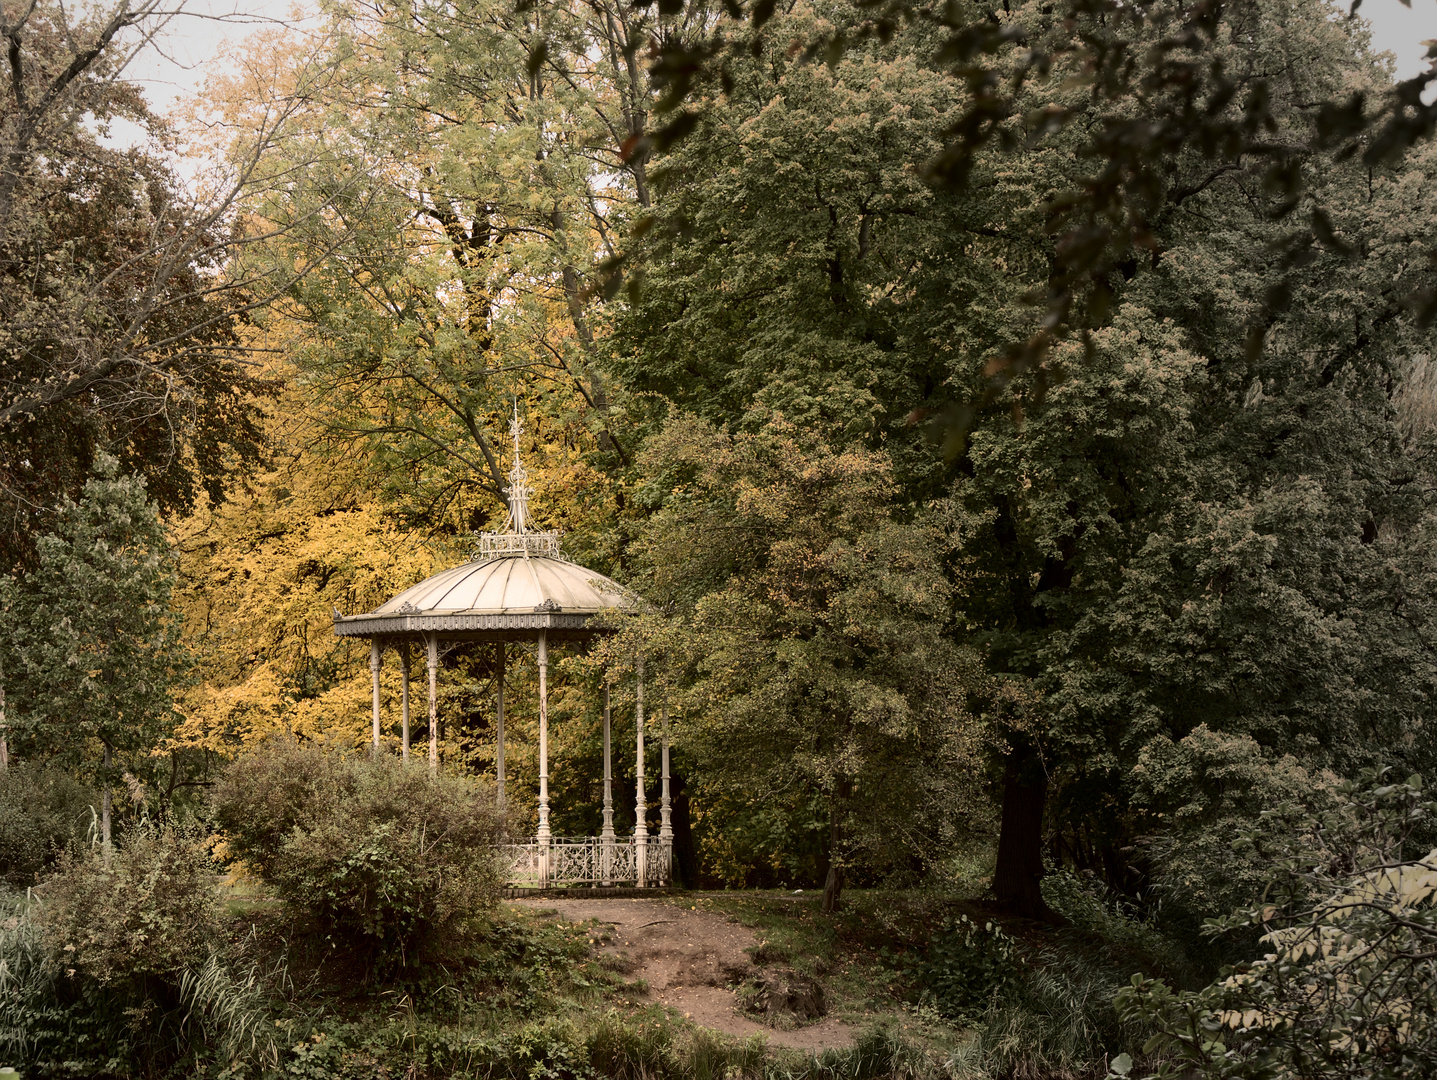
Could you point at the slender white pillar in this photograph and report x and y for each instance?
(608, 829)
(666, 829)
(500, 659)
(106, 800)
(543, 836)
(641, 806)
(375, 654)
(432, 640)
(606, 834)
(404, 701)
(4, 727)
(543, 735)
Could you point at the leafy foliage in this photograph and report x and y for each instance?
(148, 908)
(261, 576)
(801, 265)
(374, 855)
(117, 333)
(95, 653)
(89, 982)
(42, 812)
(969, 967)
(805, 644)
(450, 276)
(1195, 795)
(1154, 81)
(1347, 988)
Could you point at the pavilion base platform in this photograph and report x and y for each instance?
(570, 862)
(587, 892)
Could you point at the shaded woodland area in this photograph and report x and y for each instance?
(1019, 419)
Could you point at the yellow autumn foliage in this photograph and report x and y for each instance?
(261, 578)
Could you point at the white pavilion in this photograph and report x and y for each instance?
(520, 588)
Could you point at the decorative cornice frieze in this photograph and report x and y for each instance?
(380, 625)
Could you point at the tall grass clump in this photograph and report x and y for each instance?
(1131, 936)
(1060, 1022)
(1047, 1010)
(230, 1011)
(27, 983)
(879, 1052)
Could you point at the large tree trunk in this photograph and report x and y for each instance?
(685, 853)
(1017, 877)
(837, 808)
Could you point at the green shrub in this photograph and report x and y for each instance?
(113, 971)
(150, 907)
(967, 967)
(1129, 935)
(42, 812)
(543, 1050)
(1344, 981)
(384, 859)
(1193, 797)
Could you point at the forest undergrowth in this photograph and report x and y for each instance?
(533, 998)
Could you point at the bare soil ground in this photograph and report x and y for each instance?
(690, 961)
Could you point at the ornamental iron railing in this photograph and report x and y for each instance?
(589, 860)
(497, 545)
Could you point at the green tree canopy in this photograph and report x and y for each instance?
(803, 635)
(92, 652)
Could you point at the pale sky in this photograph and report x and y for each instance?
(1401, 30)
(192, 41)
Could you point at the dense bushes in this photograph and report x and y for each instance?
(117, 966)
(382, 858)
(1044, 1006)
(1344, 984)
(42, 811)
(968, 967)
(148, 908)
(646, 1047)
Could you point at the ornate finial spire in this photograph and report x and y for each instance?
(516, 539)
(518, 489)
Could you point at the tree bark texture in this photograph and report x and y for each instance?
(686, 857)
(1018, 875)
(833, 883)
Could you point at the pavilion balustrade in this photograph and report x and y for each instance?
(559, 861)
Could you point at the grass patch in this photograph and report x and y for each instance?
(861, 954)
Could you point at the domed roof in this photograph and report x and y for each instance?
(509, 586)
(509, 597)
(517, 587)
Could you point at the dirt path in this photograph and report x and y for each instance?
(689, 959)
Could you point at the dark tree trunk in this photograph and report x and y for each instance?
(685, 853)
(1020, 838)
(833, 881)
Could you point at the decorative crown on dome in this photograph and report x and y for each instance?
(516, 539)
